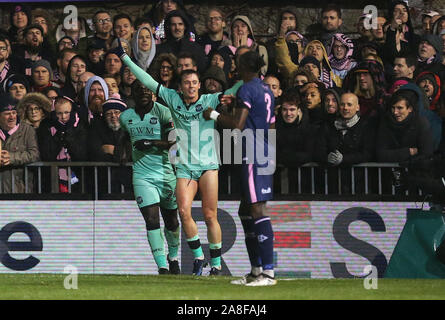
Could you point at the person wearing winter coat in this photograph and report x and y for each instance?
(18, 147)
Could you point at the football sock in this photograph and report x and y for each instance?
(172, 238)
(264, 233)
(215, 255)
(251, 241)
(195, 246)
(156, 241)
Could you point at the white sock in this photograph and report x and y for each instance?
(269, 273)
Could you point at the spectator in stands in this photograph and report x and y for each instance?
(95, 58)
(79, 29)
(32, 48)
(296, 44)
(66, 42)
(76, 67)
(404, 134)
(241, 34)
(95, 94)
(143, 47)
(400, 36)
(163, 70)
(42, 18)
(368, 82)
(287, 25)
(213, 80)
(103, 26)
(177, 39)
(63, 137)
(295, 134)
(104, 145)
(274, 83)
(431, 85)
(185, 61)
(215, 24)
(405, 66)
(19, 147)
(6, 68)
(331, 22)
(312, 93)
(430, 55)
(112, 63)
(299, 77)
(378, 34)
(51, 93)
(19, 19)
(33, 108)
(112, 82)
(427, 21)
(59, 75)
(346, 141)
(439, 25)
(220, 58)
(41, 75)
(331, 101)
(125, 85)
(365, 33)
(341, 52)
(316, 49)
(17, 86)
(158, 14)
(123, 26)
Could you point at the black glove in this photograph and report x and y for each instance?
(143, 145)
(119, 50)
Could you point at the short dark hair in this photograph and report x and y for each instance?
(122, 16)
(251, 61)
(291, 96)
(188, 72)
(99, 11)
(410, 59)
(142, 20)
(185, 55)
(404, 94)
(331, 7)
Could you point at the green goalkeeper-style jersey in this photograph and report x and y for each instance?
(197, 148)
(155, 125)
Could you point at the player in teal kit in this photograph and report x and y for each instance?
(154, 181)
(197, 161)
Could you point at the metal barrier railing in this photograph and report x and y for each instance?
(365, 178)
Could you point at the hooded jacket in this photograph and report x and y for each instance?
(33, 98)
(172, 45)
(84, 111)
(143, 59)
(434, 78)
(251, 42)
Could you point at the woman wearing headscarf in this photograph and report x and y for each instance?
(141, 45)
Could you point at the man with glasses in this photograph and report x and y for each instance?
(215, 24)
(103, 25)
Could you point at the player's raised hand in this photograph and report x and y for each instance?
(119, 50)
(143, 145)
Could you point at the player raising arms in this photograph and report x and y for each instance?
(154, 180)
(254, 112)
(198, 164)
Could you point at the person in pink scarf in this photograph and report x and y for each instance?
(340, 55)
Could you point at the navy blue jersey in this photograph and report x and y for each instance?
(257, 97)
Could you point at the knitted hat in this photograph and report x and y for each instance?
(33, 26)
(20, 8)
(435, 41)
(43, 63)
(15, 78)
(114, 103)
(310, 59)
(7, 103)
(216, 73)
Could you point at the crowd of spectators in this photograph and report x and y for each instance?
(339, 100)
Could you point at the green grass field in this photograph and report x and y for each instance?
(93, 287)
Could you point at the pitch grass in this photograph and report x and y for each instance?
(150, 287)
